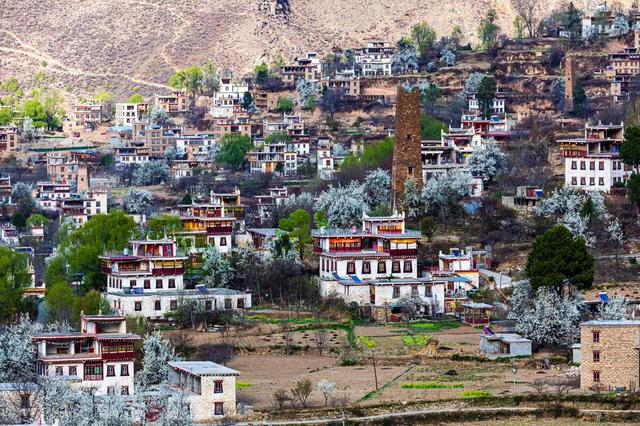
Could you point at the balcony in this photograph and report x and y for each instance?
(168, 271)
(220, 230)
(402, 252)
(118, 356)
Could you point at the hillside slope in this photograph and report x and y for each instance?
(122, 45)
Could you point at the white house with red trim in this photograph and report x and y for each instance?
(100, 355)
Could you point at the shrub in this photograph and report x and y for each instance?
(474, 394)
(241, 385)
(430, 385)
(348, 360)
(419, 340)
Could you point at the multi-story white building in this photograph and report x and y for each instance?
(81, 207)
(49, 195)
(375, 59)
(210, 388)
(228, 99)
(148, 280)
(498, 106)
(593, 162)
(128, 113)
(100, 355)
(308, 68)
(279, 158)
(377, 265)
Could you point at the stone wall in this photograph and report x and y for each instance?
(407, 159)
(618, 364)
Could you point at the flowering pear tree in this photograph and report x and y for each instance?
(219, 271)
(343, 205)
(487, 161)
(17, 351)
(137, 201)
(151, 173)
(157, 352)
(619, 26)
(377, 188)
(448, 58)
(551, 319)
(614, 309)
(446, 189)
(412, 201)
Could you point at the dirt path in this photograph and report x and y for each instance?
(34, 53)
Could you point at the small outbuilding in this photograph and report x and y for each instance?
(504, 345)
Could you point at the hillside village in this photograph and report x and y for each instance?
(439, 228)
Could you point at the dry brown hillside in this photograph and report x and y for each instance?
(124, 44)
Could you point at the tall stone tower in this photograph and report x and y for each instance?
(407, 158)
(569, 84)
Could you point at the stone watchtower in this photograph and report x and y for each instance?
(407, 157)
(569, 84)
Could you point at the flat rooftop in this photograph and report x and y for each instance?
(203, 368)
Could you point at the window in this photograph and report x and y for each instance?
(207, 305)
(366, 267)
(574, 165)
(124, 370)
(574, 180)
(596, 376)
(172, 283)
(73, 371)
(132, 283)
(137, 306)
(408, 266)
(382, 267)
(157, 306)
(601, 165)
(583, 165)
(147, 284)
(25, 401)
(111, 370)
(414, 290)
(596, 356)
(427, 291)
(351, 267)
(583, 181)
(158, 283)
(124, 390)
(592, 165)
(240, 303)
(59, 371)
(223, 241)
(228, 304)
(218, 409)
(217, 388)
(596, 336)
(601, 181)
(592, 181)
(173, 305)
(395, 267)
(396, 292)
(93, 371)
(410, 170)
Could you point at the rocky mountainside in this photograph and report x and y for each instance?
(122, 45)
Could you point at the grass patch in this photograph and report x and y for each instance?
(419, 340)
(241, 385)
(370, 343)
(432, 326)
(474, 394)
(431, 385)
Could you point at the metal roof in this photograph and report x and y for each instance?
(203, 368)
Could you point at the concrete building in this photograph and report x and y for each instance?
(8, 139)
(228, 99)
(175, 103)
(129, 113)
(504, 345)
(593, 162)
(210, 388)
(375, 59)
(610, 355)
(278, 158)
(100, 355)
(307, 68)
(148, 280)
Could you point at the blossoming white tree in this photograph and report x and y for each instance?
(157, 352)
(219, 271)
(137, 201)
(377, 188)
(446, 189)
(487, 161)
(343, 205)
(412, 201)
(619, 26)
(614, 309)
(151, 173)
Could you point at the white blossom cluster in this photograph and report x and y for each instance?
(137, 201)
(614, 309)
(412, 201)
(444, 189)
(619, 26)
(377, 188)
(219, 272)
(151, 173)
(487, 161)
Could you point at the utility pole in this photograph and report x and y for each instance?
(514, 370)
(375, 371)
